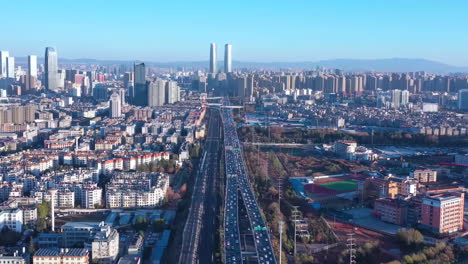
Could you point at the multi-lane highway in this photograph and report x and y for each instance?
(200, 228)
(232, 246)
(238, 182)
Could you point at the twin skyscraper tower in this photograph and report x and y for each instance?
(227, 58)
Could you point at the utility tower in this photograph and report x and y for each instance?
(350, 243)
(281, 239)
(295, 214)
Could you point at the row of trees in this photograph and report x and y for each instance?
(280, 135)
(304, 136)
(411, 239)
(165, 166)
(142, 224)
(440, 253)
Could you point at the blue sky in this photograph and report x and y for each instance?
(263, 31)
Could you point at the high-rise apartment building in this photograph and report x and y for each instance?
(404, 97)
(371, 84)
(172, 92)
(10, 67)
(443, 213)
(129, 85)
(51, 69)
(330, 85)
(228, 58)
(157, 93)
(18, 114)
(141, 87)
(122, 96)
(115, 106)
(32, 65)
(398, 98)
(341, 84)
(31, 78)
(463, 99)
(3, 62)
(213, 58)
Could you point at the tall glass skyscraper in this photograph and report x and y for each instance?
(32, 65)
(10, 67)
(141, 88)
(51, 69)
(3, 62)
(227, 58)
(213, 58)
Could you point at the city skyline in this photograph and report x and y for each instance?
(227, 132)
(360, 30)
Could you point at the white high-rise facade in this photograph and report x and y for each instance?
(405, 97)
(10, 67)
(157, 93)
(51, 69)
(3, 62)
(32, 65)
(122, 96)
(172, 92)
(213, 58)
(115, 106)
(228, 58)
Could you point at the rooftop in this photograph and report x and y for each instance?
(46, 252)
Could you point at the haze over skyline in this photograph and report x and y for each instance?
(260, 31)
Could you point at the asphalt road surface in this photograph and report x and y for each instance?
(198, 240)
(236, 169)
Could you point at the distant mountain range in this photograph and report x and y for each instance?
(380, 65)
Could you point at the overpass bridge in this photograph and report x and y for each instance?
(217, 105)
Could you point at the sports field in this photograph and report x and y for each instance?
(341, 186)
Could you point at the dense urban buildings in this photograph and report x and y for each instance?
(96, 159)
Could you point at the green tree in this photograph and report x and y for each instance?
(368, 253)
(159, 225)
(141, 223)
(407, 259)
(195, 151)
(41, 225)
(43, 210)
(32, 246)
(410, 238)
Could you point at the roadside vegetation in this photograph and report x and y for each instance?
(327, 136)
